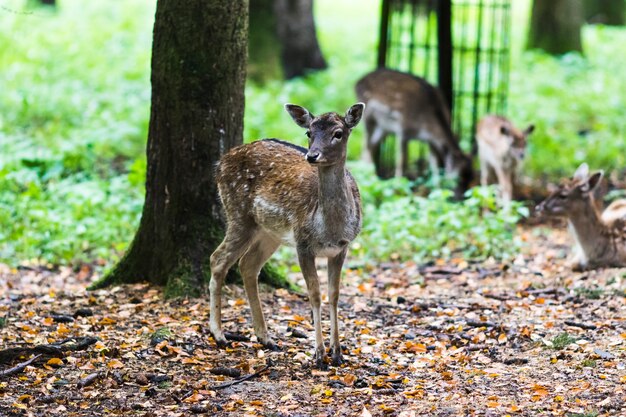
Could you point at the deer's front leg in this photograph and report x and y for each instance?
(506, 188)
(307, 264)
(334, 282)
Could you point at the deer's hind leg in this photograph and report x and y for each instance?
(237, 240)
(250, 265)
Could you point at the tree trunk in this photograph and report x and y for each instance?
(607, 12)
(198, 76)
(296, 29)
(555, 26)
(289, 24)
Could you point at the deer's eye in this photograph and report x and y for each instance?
(338, 134)
(308, 134)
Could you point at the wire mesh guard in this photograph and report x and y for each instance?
(460, 45)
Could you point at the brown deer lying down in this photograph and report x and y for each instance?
(501, 148)
(278, 193)
(600, 238)
(410, 108)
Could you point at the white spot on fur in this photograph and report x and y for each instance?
(263, 205)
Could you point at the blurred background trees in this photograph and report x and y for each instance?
(555, 26)
(283, 39)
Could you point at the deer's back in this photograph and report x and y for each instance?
(615, 214)
(397, 100)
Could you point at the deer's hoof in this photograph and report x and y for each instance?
(321, 364)
(320, 359)
(336, 358)
(222, 342)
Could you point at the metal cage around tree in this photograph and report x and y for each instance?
(462, 46)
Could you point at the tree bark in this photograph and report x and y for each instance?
(283, 31)
(296, 29)
(198, 76)
(555, 26)
(607, 12)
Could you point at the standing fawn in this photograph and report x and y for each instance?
(410, 108)
(501, 149)
(277, 193)
(600, 239)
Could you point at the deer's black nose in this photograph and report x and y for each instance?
(312, 157)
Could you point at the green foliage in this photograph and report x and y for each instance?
(73, 125)
(576, 104)
(590, 293)
(588, 363)
(401, 225)
(562, 340)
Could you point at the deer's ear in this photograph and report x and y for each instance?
(593, 181)
(354, 114)
(582, 172)
(300, 115)
(529, 130)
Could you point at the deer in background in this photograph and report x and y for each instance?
(600, 239)
(410, 108)
(501, 149)
(276, 193)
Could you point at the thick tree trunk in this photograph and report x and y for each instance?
(296, 30)
(283, 36)
(607, 12)
(555, 26)
(198, 75)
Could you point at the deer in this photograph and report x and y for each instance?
(273, 193)
(600, 237)
(501, 150)
(410, 108)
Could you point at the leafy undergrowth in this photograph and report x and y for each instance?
(524, 338)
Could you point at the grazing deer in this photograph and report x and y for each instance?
(600, 238)
(277, 193)
(501, 148)
(410, 108)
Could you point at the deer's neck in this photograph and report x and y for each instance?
(336, 202)
(589, 230)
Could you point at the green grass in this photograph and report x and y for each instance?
(74, 112)
(562, 341)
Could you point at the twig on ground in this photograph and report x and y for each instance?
(19, 368)
(54, 349)
(581, 325)
(231, 372)
(239, 380)
(497, 296)
(89, 379)
(236, 337)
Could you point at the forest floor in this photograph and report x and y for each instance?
(524, 338)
